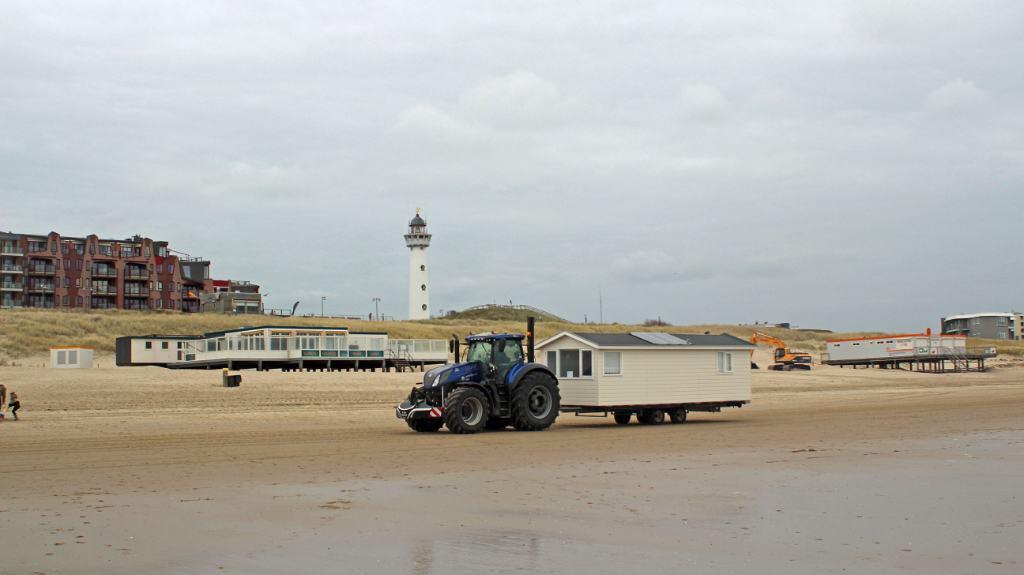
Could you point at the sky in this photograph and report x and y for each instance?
(842, 165)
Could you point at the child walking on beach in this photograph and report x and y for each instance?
(15, 405)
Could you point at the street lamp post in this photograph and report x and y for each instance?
(376, 307)
(323, 298)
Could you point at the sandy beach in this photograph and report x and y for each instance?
(129, 470)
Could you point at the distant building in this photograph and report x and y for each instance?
(51, 271)
(229, 296)
(992, 325)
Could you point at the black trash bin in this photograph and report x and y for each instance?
(232, 380)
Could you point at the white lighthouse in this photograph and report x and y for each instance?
(418, 240)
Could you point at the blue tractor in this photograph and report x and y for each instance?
(495, 387)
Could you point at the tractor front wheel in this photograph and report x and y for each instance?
(465, 410)
(425, 425)
(535, 402)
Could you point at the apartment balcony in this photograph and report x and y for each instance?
(136, 274)
(11, 269)
(102, 304)
(104, 272)
(37, 270)
(11, 286)
(41, 288)
(136, 304)
(136, 292)
(104, 290)
(9, 250)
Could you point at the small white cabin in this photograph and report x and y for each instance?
(71, 357)
(648, 368)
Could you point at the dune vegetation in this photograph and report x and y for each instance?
(31, 332)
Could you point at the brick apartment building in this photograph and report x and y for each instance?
(91, 273)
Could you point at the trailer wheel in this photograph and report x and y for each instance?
(498, 423)
(677, 415)
(651, 416)
(425, 425)
(623, 417)
(535, 402)
(465, 410)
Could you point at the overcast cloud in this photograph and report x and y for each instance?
(848, 165)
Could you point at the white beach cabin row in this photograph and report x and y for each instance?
(648, 368)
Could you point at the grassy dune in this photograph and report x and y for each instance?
(25, 333)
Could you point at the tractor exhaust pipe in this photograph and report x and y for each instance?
(455, 347)
(529, 339)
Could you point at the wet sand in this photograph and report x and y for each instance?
(153, 471)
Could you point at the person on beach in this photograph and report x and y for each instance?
(3, 399)
(15, 405)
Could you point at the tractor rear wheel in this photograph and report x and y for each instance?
(623, 417)
(425, 425)
(651, 416)
(465, 410)
(535, 402)
(677, 415)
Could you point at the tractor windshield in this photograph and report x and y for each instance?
(479, 351)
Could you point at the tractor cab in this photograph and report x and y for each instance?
(496, 353)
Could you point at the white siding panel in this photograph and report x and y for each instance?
(676, 376)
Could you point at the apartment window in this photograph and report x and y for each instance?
(160, 286)
(162, 251)
(159, 268)
(67, 281)
(147, 251)
(170, 269)
(78, 301)
(724, 362)
(1002, 322)
(149, 345)
(64, 300)
(164, 345)
(613, 363)
(67, 264)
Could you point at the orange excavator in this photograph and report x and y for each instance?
(785, 360)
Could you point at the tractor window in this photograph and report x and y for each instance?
(509, 353)
(479, 351)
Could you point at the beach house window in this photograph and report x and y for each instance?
(164, 345)
(149, 345)
(279, 341)
(586, 363)
(571, 363)
(62, 358)
(724, 362)
(568, 363)
(613, 363)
